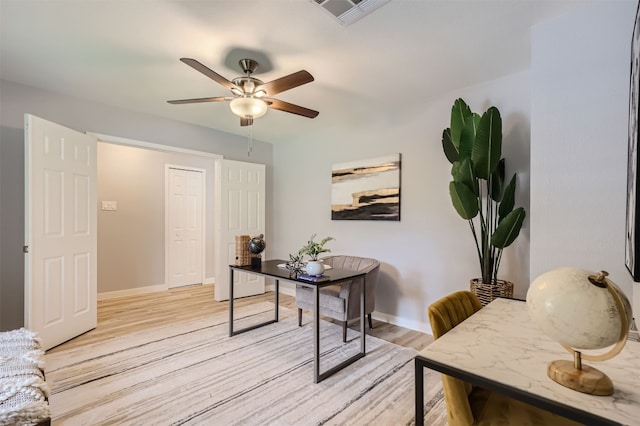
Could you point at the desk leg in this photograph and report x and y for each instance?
(277, 299)
(363, 330)
(419, 393)
(233, 332)
(316, 334)
(230, 302)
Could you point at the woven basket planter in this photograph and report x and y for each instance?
(487, 292)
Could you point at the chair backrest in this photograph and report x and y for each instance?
(444, 315)
(451, 310)
(354, 263)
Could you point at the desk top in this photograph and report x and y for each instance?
(501, 348)
(270, 268)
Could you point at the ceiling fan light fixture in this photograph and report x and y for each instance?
(248, 107)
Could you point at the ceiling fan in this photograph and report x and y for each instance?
(251, 97)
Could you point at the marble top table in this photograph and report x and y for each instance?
(500, 349)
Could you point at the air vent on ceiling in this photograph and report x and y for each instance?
(349, 11)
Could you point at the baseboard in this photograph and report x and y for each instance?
(403, 322)
(210, 280)
(132, 291)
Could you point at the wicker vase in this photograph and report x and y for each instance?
(487, 292)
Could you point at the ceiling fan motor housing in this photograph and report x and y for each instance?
(249, 66)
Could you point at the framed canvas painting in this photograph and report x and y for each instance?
(366, 189)
(632, 243)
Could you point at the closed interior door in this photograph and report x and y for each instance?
(185, 226)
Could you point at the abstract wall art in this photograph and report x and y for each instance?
(366, 189)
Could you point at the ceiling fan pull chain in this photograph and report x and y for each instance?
(250, 146)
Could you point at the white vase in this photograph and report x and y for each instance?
(314, 267)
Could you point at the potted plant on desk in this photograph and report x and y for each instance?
(313, 249)
(473, 145)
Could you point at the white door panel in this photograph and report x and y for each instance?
(241, 202)
(60, 231)
(185, 226)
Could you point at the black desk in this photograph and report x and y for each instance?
(270, 268)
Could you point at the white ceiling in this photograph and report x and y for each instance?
(126, 53)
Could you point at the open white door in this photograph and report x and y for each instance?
(241, 211)
(60, 231)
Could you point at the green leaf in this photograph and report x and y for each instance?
(497, 182)
(450, 150)
(464, 200)
(454, 168)
(508, 229)
(464, 174)
(487, 148)
(467, 139)
(460, 114)
(508, 199)
(476, 121)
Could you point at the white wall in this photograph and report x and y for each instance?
(580, 94)
(430, 252)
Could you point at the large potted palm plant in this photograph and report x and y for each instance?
(473, 146)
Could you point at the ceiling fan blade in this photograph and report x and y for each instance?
(197, 100)
(208, 72)
(288, 107)
(287, 82)
(246, 121)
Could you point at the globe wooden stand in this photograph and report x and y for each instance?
(582, 378)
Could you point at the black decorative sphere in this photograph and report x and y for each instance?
(257, 244)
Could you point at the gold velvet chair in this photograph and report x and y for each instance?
(471, 405)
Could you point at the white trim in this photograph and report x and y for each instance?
(203, 213)
(209, 280)
(149, 145)
(132, 291)
(403, 322)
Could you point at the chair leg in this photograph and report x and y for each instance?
(344, 331)
(299, 317)
(370, 322)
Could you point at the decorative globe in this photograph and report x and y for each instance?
(581, 310)
(572, 310)
(257, 244)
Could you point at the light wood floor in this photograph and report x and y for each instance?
(125, 315)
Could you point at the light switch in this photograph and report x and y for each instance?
(110, 205)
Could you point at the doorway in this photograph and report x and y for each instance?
(132, 238)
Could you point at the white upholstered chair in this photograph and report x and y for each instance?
(342, 301)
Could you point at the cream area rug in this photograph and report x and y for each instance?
(194, 373)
